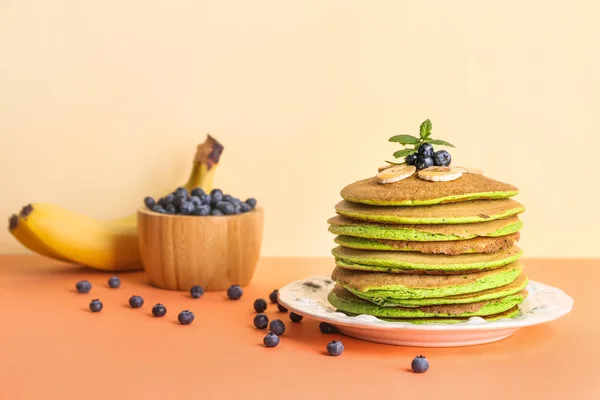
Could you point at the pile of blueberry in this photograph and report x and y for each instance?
(425, 157)
(198, 202)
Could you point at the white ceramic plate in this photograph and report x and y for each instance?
(308, 297)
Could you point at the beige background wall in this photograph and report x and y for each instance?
(103, 102)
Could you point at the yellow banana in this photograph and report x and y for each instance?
(58, 233)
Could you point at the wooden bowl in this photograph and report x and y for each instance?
(215, 252)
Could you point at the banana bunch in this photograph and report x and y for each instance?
(61, 234)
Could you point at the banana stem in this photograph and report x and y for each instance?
(207, 156)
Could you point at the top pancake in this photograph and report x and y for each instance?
(414, 191)
(453, 213)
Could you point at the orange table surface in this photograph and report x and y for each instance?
(54, 347)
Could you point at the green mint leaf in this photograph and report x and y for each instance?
(425, 129)
(439, 142)
(404, 153)
(404, 139)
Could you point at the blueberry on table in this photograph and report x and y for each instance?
(261, 321)
(273, 296)
(114, 282)
(83, 286)
(281, 308)
(159, 310)
(234, 292)
(136, 301)
(419, 364)
(186, 208)
(196, 291)
(198, 192)
(149, 201)
(441, 158)
(424, 162)
(327, 328)
(271, 340)
(335, 348)
(251, 202)
(277, 327)
(96, 305)
(411, 160)
(170, 209)
(295, 317)
(216, 212)
(425, 150)
(260, 305)
(185, 317)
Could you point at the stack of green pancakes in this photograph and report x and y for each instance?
(422, 251)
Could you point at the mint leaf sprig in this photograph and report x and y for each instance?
(416, 142)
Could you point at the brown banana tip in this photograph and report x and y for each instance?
(26, 210)
(13, 222)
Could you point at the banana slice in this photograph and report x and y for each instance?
(396, 173)
(440, 174)
(469, 170)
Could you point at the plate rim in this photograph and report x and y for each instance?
(461, 326)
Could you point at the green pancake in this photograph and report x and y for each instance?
(452, 213)
(510, 313)
(451, 247)
(414, 191)
(345, 301)
(423, 233)
(380, 286)
(514, 287)
(416, 262)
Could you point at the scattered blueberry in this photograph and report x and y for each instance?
(273, 296)
(411, 160)
(196, 291)
(335, 348)
(114, 282)
(271, 340)
(261, 321)
(277, 327)
(260, 305)
(185, 317)
(295, 317)
(281, 308)
(96, 305)
(136, 301)
(327, 328)
(83, 286)
(419, 364)
(216, 212)
(424, 162)
(441, 158)
(149, 201)
(198, 192)
(234, 292)
(226, 207)
(425, 150)
(159, 310)
(251, 202)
